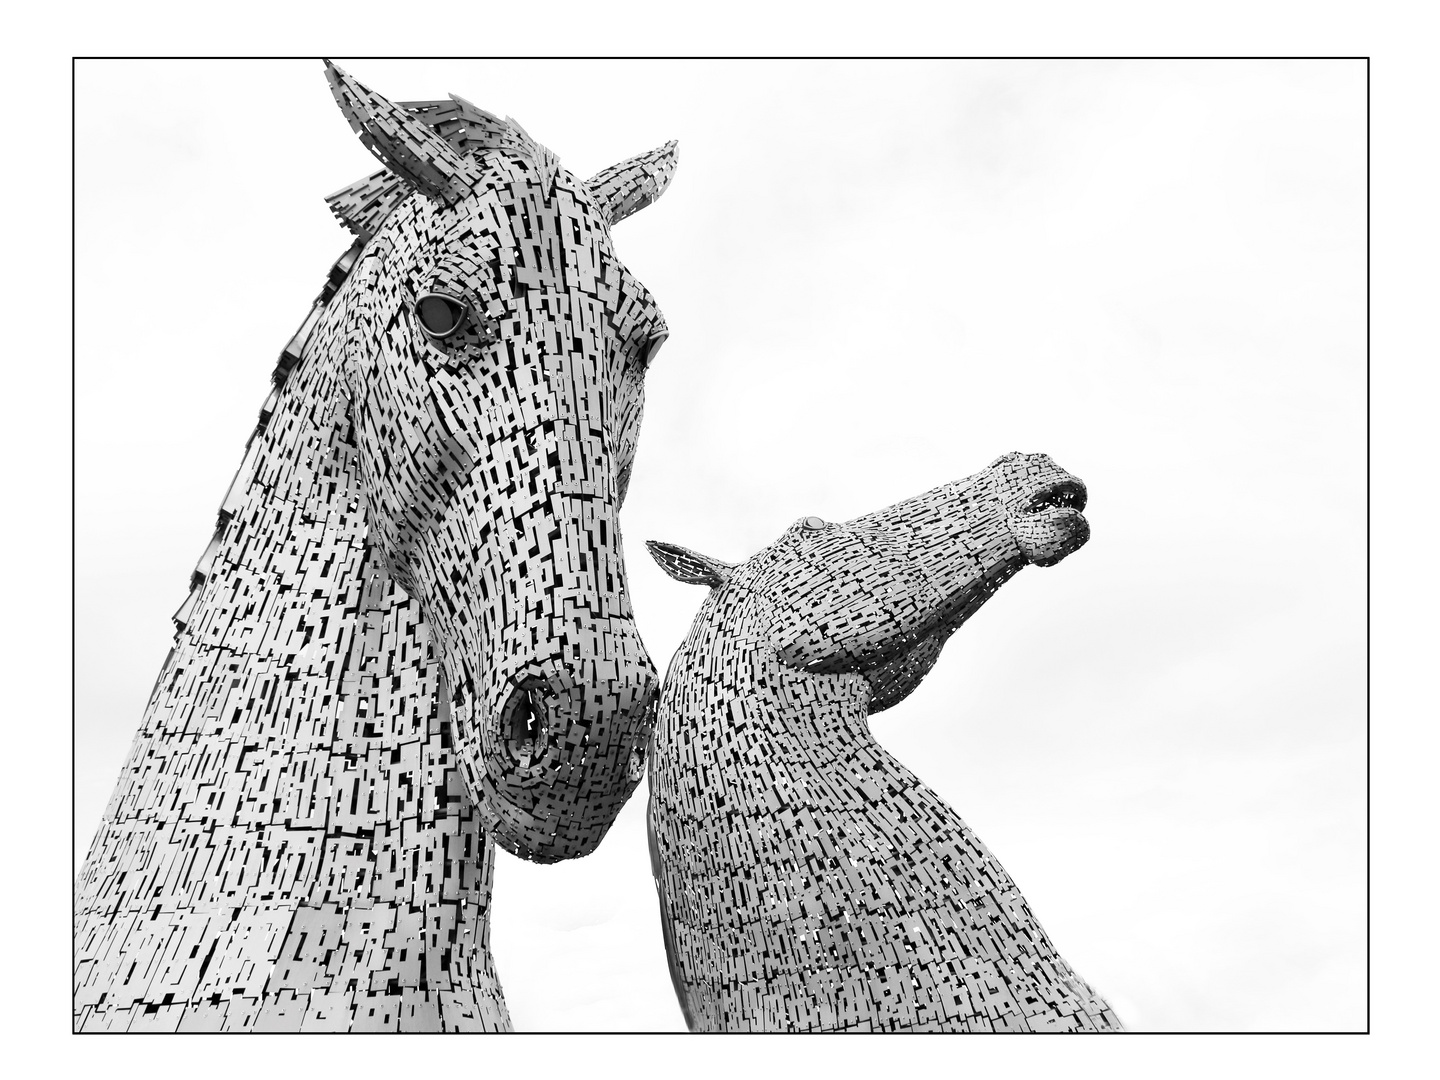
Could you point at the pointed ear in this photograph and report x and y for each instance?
(689, 566)
(633, 184)
(466, 127)
(408, 147)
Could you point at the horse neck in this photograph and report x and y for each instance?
(277, 594)
(298, 665)
(726, 673)
(291, 811)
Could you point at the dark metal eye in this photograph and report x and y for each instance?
(813, 524)
(440, 314)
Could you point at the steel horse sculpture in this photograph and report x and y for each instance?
(409, 638)
(808, 881)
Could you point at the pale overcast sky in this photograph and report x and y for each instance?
(878, 277)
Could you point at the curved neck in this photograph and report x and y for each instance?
(757, 689)
(291, 810)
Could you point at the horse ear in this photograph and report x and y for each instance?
(689, 566)
(634, 183)
(466, 127)
(408, 147)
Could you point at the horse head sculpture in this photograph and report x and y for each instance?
(494, 354)
(880, 595)
(409, 637)
(808, 881)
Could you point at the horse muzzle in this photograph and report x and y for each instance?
(565, 747)
(1048, 523)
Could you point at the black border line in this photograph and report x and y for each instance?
(75, 60)
(1368, 952)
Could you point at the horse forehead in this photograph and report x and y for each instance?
(794, 558)
(846, 543)
(558, 202)
(841, 557)
(482, 237)
(514, 197)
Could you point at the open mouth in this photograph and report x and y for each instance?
(1048, 524)
(1069, 494)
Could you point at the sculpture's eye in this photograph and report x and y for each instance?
(813, 524)
(439, 314)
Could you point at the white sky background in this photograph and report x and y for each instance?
(878, 277)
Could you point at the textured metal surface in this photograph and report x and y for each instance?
(808, 881)
(409, 636)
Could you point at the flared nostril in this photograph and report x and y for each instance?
(524, 722)
(525, 716)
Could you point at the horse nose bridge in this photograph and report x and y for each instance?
(1027, 473)
(917, 547)
(573, 647)
(934, 517)
(950, 535)
(1048, 470)
(574, 455)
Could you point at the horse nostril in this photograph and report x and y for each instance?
(522, 723)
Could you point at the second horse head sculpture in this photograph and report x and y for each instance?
(808, 881)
